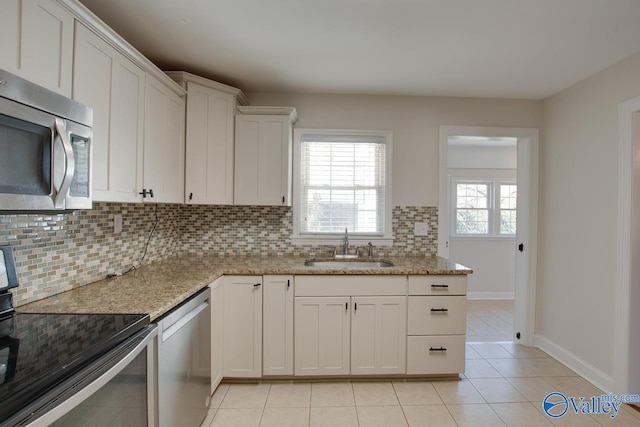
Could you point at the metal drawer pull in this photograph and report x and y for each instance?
(440, 286)
(439, 310)
(257, 284)
(437, 349)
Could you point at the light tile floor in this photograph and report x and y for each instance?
(504, 384)
(489, 321)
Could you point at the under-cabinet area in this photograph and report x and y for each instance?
(299, 326)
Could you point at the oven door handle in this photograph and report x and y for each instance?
(70, 164)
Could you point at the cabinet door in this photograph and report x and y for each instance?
(10, 25)
(322, 336)
(277, 328)
(46, 45)
(163, 143)
(378, 335)
(209, 155)
(243, 326)
(114, 87)
(216, 333)
(262, 160)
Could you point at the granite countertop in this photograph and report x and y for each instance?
(158, 287)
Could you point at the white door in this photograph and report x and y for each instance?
(37, 43)
(262, 173)
(378, 335)
(216, 333)
(209, 152)
(113, 87)
(277, 325)
(322, 336)
(163, 143)
(527, 208)
(242, 335)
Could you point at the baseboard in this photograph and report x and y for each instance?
(589, 372)
(478, 296)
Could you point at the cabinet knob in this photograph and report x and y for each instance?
(439, 310)
(437, 349)
(439, 286)
(257, 284)
(190, 196)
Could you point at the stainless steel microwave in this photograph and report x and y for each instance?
(45, 148)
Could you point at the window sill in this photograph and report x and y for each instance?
(335, 241)
(451, 238)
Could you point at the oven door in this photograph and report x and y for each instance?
(45, 161)
(117, 389)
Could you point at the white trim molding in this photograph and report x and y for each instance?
(484, 296)
(622, 328)
(527, 171)
(589, 372)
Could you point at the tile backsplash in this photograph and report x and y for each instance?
(59, 251)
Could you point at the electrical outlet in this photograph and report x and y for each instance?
(420, 229)
(117, 223)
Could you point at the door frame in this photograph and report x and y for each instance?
(622, 330)
(526, 265)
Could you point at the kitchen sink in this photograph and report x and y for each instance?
(346, 264)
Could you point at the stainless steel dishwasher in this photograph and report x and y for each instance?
(184, 363)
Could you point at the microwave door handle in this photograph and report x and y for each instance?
(61, 129)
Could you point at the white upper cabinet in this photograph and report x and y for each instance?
(209, 139)
(163, 180)
(114, 87)
(263, 156)
(37, 42)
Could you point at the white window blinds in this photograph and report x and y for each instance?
(342, 184)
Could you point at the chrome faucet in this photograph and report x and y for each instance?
(345, 248)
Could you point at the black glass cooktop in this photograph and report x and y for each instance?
(37, 351)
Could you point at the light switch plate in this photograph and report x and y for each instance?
(420, 229)
(117, 223)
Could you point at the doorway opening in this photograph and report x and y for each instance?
(487, 221)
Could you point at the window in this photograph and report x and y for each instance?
(484, 208)
(342, 182)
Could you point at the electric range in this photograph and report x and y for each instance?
(39, 351)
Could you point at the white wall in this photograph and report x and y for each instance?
(492, 259)
(578, 217)
(493, 262)
(414, 122)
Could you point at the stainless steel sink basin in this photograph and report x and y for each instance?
(345, 264)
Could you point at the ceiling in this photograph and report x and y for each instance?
(476, 48)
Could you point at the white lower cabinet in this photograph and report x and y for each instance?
(436, 324)
(378, 335)
(314, 325)
(242, 334)
(277, 325)
(216, 332)
(322, 334)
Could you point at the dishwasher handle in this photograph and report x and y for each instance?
(167, 333)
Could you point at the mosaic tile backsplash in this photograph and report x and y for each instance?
(60, 251)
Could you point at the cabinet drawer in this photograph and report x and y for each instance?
(438, 285)
(435, 355)
(437, 315)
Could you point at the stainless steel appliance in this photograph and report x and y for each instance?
(184, 363)
(77, 370)
(45, 148)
